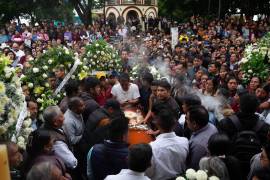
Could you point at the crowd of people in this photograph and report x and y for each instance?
(85, 136)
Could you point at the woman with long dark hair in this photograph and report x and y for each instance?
(39, 149)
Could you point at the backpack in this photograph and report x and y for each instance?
(246, 142)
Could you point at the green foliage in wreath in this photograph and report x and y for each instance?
(39, 76)
(256, 60)
(101, 56)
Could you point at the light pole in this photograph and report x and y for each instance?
(219, 8)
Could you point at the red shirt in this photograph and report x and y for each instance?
(103, 96)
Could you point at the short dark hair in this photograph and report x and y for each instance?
(262, 173)
(199, 115)
(249, 103)
(148, 77)
(91, 82)
(139, 157)
(37, 140)
(165, 116)
(112, 103)
(118, 127)
(191, 100)
(124, 77)
(165, 84)
(266, 148)
(219, 144)
(217, 64)
(71, 88)
(73, 103)
(154, 83)
(266, 88)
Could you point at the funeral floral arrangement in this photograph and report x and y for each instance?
(40, 76)
(256, 60)
(101, 56)
(141, 68)
(24, 131)
(11, 98)
(191, 174)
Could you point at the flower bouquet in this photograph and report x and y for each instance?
(191, 174)
(141, 68)
(38, 76)
(256, 60)
(24, 131)
(101, 56)
(11, 98)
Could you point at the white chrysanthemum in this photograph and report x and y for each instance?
(250, 71)
(69, 65)
(8, 75)
(2, 88)
(213, 178)
(7, 70)
(50, 61)
(98, 52)
(201, 175)
(256, 50)
(44, 75)
(21, 139)
(2, 107)
(21, 144)
(191, 174)
(180, 178)
(45, 67)
(43, 95)
(97, 45)
(11, 121)
(26, 123)
(2, 130)
(16, 81)
(84, 60)
(243, 60)
(102, 53)
(28, 130)
(73, 77)
(95, 56)
(30, 85)
(47, 85)
(35, 70)
(4, 100)
(39, 100)
(66, 51)
(22, 76)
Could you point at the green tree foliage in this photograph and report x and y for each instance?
(181, 9)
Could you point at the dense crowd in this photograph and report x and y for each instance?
(202, 114)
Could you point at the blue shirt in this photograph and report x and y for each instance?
(3, 39)
(198, 145)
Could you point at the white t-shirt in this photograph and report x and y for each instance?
(122, 96)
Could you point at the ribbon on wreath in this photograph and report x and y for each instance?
(67, 77)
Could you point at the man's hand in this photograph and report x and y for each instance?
(151, 132)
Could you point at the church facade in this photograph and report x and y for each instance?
(123, 10)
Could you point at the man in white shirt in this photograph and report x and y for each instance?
(54, 119)
(139, 159)
(126, 92)
(169, 151)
